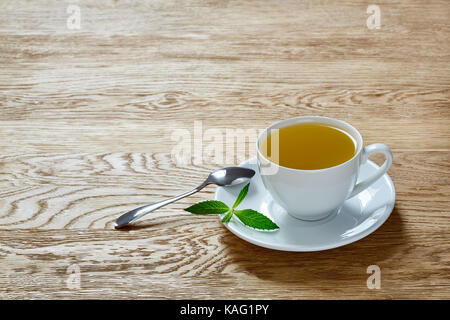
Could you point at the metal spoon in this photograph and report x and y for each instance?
(221, 177)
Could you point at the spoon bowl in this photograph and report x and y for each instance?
(230, 176)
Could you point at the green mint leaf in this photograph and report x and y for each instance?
(208, 207)
(241, 195)
(255, 219)
(228, 216)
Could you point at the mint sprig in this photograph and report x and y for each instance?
(248, 217)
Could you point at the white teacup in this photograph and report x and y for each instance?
(315, 194)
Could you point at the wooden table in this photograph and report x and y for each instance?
(88, 119)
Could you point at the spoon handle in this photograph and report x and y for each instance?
(137, 213)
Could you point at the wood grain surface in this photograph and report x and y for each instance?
(87, 118)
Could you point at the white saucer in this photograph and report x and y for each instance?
(358, 217)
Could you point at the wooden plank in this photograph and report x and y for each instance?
(90, 190)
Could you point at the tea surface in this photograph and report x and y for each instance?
(310, 146)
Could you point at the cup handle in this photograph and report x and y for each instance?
(366, 152)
